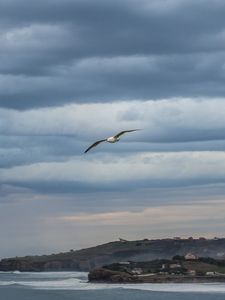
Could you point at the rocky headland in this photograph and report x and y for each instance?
(113, 252)
(177, 270)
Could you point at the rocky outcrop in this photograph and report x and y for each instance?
(95, 257)
(177, 270)
(104, 275)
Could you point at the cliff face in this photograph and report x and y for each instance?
(90, 258)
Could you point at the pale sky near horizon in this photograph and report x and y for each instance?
(75, 71)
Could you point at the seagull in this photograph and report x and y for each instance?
(111, 139)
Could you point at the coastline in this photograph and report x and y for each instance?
(107, 276)
(175, 279)
(113, 252)
(183, 279)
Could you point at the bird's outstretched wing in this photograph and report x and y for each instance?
(94, 145)
(124, 131)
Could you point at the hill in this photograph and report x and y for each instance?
(178, 269)
(94, 257)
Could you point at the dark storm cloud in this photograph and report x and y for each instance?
(125, 27)
(98, 80)
(56, 52)
(56, 55)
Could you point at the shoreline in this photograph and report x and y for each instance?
(184, 279)
(165, 280)
(108, 276)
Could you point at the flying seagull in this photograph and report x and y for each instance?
(111, 139)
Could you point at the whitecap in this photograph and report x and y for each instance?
(79, 281)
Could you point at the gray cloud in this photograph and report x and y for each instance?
(59, 134)
(75, 71)
(103, 51)
(49, 232)
(169, 120)
(118, 172)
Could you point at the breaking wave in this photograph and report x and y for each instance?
(79, 281)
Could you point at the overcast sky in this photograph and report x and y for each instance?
(75, 71)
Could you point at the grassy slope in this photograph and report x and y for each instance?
(203, 267)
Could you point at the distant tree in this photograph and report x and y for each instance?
(178, 257)
(208, 260)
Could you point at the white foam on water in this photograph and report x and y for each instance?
(76, 284)
(79, 281)
(7, 283)
(50, 284)
(180, 287)
(52, 275)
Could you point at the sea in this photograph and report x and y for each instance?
(75, 285)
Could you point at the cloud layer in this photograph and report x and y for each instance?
(72, 72)
(97, 51)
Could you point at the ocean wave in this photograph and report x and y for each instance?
(76, 284)
(180, 287)
(46, 284)
(79, 281)
(50, 274)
